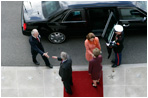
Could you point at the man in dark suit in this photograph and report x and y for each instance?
(65, 71)
(36, 47)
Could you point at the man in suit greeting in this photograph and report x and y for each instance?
(36, 47)
(65, 71)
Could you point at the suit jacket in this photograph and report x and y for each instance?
(36, 45)
(65, 69)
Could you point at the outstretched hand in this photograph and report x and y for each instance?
(54, 57)
(46, 54)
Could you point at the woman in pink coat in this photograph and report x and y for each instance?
(91, 43)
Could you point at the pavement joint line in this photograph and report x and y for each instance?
(17, 82)
(27, 65)
(43, 84)
(30, 65)
(84, 66)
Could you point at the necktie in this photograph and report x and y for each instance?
(38, 39)
(61, 61)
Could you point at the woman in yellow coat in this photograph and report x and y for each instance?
(91, 43)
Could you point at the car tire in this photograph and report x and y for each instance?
(56, 37)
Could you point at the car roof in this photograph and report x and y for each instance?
(87, 4)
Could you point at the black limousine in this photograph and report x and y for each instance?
(58, 20)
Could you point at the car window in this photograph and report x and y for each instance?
(131, 14)
(50, 7)
(74, 16)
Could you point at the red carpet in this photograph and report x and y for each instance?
(82, 86)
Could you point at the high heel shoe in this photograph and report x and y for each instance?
(98, 82)
(93, 85)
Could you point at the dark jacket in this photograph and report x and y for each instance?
(65, 69)
(118, 47)
(36, 45)
(95, 67)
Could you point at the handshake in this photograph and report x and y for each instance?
(46, 55)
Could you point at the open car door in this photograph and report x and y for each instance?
(108, 32)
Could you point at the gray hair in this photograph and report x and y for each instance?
(64, 55)
(33, 31)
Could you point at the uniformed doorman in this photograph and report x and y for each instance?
(118, 46)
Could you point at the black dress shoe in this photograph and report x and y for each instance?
(98, 82)
(69, 93)
(50, 66)
(114, 65)
(36, 63)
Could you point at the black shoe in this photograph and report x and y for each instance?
(50, 66)
(94, 86)
(98, 82)
(69, 92)
(114, 65)
(36, 63)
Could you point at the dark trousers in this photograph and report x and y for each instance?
(67, 84)
(34, 54)
(118, 58)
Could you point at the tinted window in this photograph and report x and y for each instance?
(131, 14)
(98, 17)
(74, 16)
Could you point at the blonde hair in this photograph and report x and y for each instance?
(96, 52)
(90, 35)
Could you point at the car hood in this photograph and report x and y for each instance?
(33, 11)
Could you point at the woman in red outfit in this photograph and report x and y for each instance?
(91, 43)
(95, 67)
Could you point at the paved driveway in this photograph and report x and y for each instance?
(16, 49)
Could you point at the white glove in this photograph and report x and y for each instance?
(107, 44)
